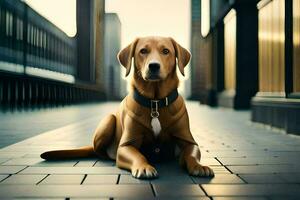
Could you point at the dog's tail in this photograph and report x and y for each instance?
(82, 152)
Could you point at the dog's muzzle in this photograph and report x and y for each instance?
(154, 70)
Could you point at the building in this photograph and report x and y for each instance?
(112, 69)
(40, 65)
(90, 41)
(277, 101)
(248, 57)
(194, 45)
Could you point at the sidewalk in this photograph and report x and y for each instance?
(250, 162)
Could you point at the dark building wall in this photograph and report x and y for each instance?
(278, 101)
(296, 46)
(250, 59)
(85, 70)
(113, 81)
(208, 59)
(195, 47)
(241, 73)
(228, 73)
(206, 70)
(99, 26)
(90, 40)
(38, 61)
(203, 74)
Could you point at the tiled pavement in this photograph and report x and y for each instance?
(250, 162)
(14, 123)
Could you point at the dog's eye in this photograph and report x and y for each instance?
(143, 51)
(165, 51)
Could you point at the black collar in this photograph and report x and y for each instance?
(149, 103)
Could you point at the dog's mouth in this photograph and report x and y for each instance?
(152, 77)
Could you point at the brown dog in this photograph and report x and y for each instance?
(152, 120)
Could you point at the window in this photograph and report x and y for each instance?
(205, 17)
(9, 24)
(230, 50)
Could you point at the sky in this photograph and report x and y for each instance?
(138, 17)
(63, 16)
(155, 17)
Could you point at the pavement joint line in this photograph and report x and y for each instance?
(6, 178)
(43, 179)
(193, 180)
(75, 163)
(83, 179)
(118, 180)
(22, 170)
(219, 161)
(153, 190)
(203, 190)
(95, 163)
(228, 169)
(238, 175)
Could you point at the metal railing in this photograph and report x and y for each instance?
(38, 61)
(32, 45)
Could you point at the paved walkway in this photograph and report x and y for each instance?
(250, 162)
(16, 125)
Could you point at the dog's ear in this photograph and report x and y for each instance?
(183, 56)
(125, 56)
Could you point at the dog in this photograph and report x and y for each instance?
(152, 122)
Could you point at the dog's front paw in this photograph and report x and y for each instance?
(144, 171)
(199, 170)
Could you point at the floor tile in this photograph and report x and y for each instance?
(268, 160)
(105, 163)
(264, 169)
(220, 170)
(79, 191)
(75, 198)
(86, 163)
(166, 198)
(55, 179)
(23, 179)
(129, 179)
(240, 198)
(262, 178)
(290, 177)
(100, 179)
(182, 179)
(252, 190)
(11, 169)
(62, 163)
(209, 161)
(177, 190)
(23, 161)
(39, 198)
(218, 179)
(73, 170)
(3, 160)
(284, 197)
(170, 169)
(2, 177)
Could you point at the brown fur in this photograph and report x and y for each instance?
(123, 136)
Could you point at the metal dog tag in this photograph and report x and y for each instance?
(155, 123)
(156, 127)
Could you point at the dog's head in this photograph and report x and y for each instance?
(154, 57)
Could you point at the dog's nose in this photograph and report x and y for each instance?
(154, 67)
